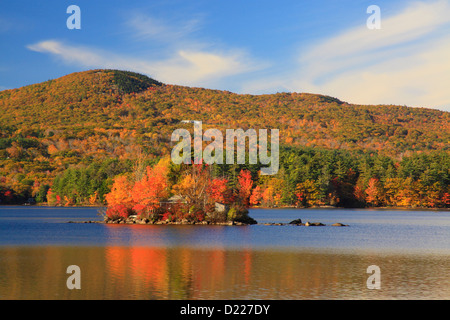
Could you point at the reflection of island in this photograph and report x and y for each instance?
(197, 196)
(178, 273)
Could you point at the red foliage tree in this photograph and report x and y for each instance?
(446, 199)
(218, 190)
(256, 196)
(118, 211)
(245, 184)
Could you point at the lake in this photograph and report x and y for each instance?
(410, 248)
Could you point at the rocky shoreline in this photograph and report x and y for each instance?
(145, 221)
(307, 224)
(167, 222)
(298, 222)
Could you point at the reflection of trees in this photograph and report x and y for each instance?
(184, 273)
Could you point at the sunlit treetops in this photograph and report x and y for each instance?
(83, 129)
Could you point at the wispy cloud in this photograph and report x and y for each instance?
(71, 54)
(406, 62)
(183, 67)
(403, 62)
(148, 27)
(187, 60)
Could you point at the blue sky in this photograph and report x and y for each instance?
(246, 46)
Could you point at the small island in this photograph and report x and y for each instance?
(167, 193)
(222, 215)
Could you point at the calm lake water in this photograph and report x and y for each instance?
(411, 248)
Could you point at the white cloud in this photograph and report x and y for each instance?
(406, 62)
(185, 59)
(402, 63)
(69, 54)
(193, 68)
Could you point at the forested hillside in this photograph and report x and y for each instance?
(65, 140)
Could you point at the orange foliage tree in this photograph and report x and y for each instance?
(141, 197)
(151, 189)
(373, 192)
(120, 192)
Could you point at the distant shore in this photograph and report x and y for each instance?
(267, 208)
(356, 208)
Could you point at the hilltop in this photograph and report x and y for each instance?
(98, 116)
(110, 102)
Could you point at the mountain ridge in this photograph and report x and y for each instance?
(111, 99)
(77, 132)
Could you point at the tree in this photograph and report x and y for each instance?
(373, 192)
(41, 194)
(121, 192)
(245, 184)
(446, 200)
(256, 196)
(308, 194)
(406, 194)
(148, 192)
(218, 190)
(392, 187)
(273, 190)
(118, 211)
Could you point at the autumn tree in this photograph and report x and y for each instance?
(121, 192)
(218, 190)
(198, 192)
(244, 187)
(374, 192)
(256, 196)
(308, 194)
(272, 192)
(148, 192)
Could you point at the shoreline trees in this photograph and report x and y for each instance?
(64, 141)
(308, 177)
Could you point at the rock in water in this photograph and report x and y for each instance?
(338, 224)
(296, 221)
(315, 224)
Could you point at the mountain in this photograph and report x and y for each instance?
(102, 103)
(97, 115)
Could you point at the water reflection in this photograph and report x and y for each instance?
(122, 272)
(174, 235)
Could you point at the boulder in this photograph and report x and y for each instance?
(338, 224)
(296, 222)
(314, 224)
